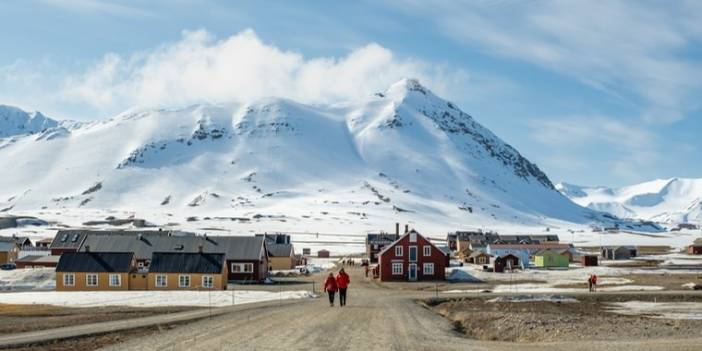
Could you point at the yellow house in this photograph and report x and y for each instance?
(94, 271)
(9, 250)
(281, 257)
(187, 271)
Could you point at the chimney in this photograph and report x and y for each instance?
(397, 229)
(139, 236)
(406, 228)
(199, 248)
(87, 248)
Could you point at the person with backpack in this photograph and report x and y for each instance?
(594, 282)
(330, 288)
(342, 282)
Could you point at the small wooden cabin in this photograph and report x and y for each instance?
(588, 260)
(507, 261)
(323, 254)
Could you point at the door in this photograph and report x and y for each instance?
(413, 271)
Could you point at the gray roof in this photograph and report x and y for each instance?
(20, 240)
(280, 250)
(187, 262)
(6, 246)
(95, 262)
(380, 238)
(68, 239)
(39, 258)
(144, 244)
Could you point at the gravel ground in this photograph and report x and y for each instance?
(376, 318)
(543, 321)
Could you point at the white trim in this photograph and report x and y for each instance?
(241, 268)
(72, 280)
(180, 281)
(119, 280)
(210, 284)
(424, 248)
(163, 283)
(416, 253)
(413, 237)
(87, 279)
(409, 272)
(398, 251)
(397, 268)
(428, 269)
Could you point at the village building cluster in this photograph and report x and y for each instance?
(87, 260)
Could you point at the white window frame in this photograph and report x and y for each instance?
(87, 280)
(398, 251)
(416, 254)
(241, 268)
(427, 250)
(413, 237)
(181, 278)
(208, 281)
(119, 280)
(69, 282)
(428, 269)
(397, 268)
(161, 281)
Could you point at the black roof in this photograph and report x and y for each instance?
(95, 262)
(380, 238)
(187, 262)
(280, 250)
(144, 244)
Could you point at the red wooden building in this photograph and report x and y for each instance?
(694, 249)
(412, 258)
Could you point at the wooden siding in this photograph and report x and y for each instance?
(219, 281)
(388, 257)
(80, 282)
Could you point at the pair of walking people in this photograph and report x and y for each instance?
(339, 283)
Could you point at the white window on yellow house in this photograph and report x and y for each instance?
(69, 279)
(91, 279)
(161, 281)
(207, 281)
(184, 281)
(115, 280)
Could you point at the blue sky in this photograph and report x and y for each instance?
(594, 92)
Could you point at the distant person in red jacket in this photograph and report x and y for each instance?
(330, 288)
(342, 281)
(594, 282)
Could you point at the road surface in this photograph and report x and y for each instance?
(374, 319)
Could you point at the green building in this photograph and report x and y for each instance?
(551, 258)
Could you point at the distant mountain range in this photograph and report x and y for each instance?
(671, 201)
(402, 153)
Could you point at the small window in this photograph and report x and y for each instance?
(428, 269)
(64, 238)
(69, 279)
(161, 281)
(75, 238)
(397, 268)
(207, 281)
(427, 250)
(398, 251)
(115, 280)
(91, 280)
(242, 268)
(184, 281)
(413, 237)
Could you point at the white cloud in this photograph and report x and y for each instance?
(200, 68)
(635, 50)
(627, 149)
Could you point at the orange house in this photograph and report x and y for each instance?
(94, 271)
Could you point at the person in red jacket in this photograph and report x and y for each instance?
(330, 288)
(342, 282)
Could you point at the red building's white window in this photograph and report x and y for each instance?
(427, 250)
(397, 268)
(398, 251)
(428, 269)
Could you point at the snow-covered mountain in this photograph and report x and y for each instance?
(404, 154)
(14, 121)
(673, 200)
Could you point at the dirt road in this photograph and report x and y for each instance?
(374, 319)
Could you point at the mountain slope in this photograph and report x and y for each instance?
(675, 200)
(404, 154)
(14, 121)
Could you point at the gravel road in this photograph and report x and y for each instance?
(374, 319)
